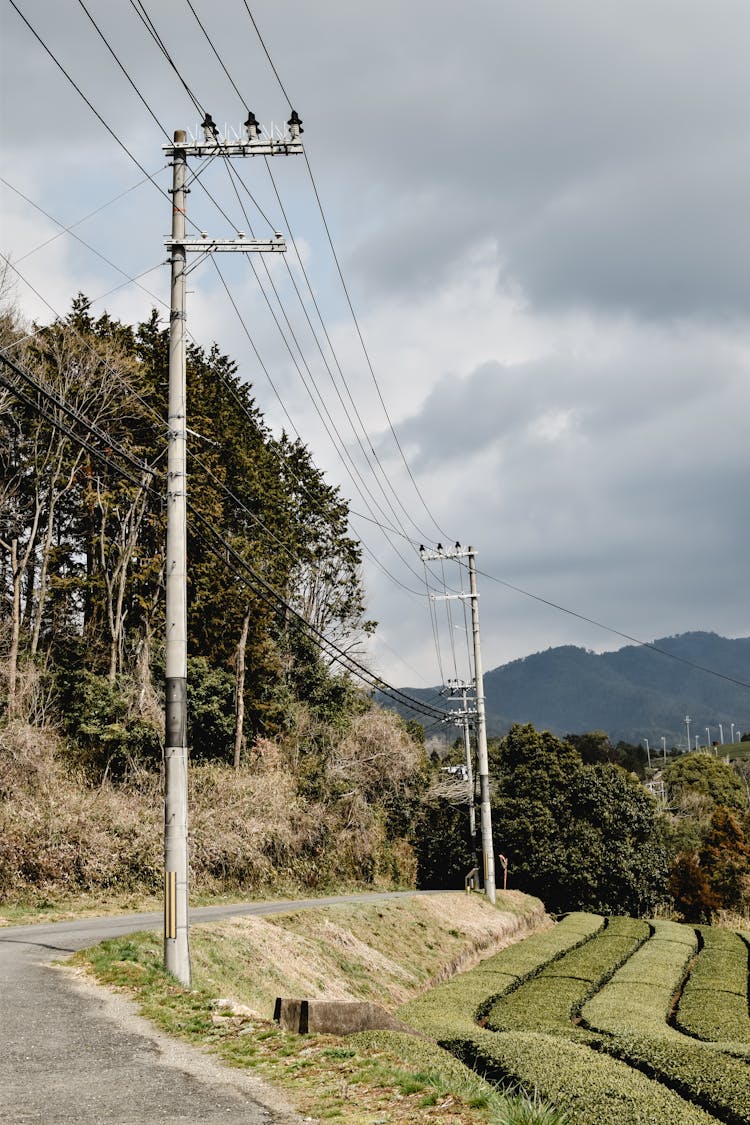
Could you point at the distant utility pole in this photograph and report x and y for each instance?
(688, 721)
(462, 718)
(176, 865)
(485, 813)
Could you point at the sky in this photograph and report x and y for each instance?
(539, 208)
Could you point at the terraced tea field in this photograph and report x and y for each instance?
(614, 1020)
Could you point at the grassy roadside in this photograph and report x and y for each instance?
(385, 952)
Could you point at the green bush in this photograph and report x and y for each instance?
(551, 999)
(452, 1008)
(713, 1005)
(637, 999)
(710, 1078)
(594, 1088)
(632, 1012)
(105, 737)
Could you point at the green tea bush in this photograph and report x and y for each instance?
(632, 1012)
(451, 1009)
(593, 1088)
(713, 1005)
(710, 1078)
(549, 1000)
(637, 999)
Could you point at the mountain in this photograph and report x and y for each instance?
(632, 694)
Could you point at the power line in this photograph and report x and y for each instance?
(342, 451)
(93, 109)
(69, 229)
(234, 175)
(83, 242)
(348, 296)
(147, 22)
(143, 15)
(611, 629)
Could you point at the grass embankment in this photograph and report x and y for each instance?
(387, 952)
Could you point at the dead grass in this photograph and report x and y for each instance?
(386, 952)
(251, 830)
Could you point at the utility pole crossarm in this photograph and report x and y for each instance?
(253, 141)
(217, 245)
(271, 147)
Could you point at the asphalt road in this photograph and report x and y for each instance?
(72, 1052)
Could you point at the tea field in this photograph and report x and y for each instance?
(610, 1019)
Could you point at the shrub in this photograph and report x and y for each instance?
(713, 1005)
(708, 1077)
(594, 1088)
(451, 1008)
(549, 1000)
(638, 997)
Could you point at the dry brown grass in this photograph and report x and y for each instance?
(61, 835)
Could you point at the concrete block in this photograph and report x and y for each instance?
(335, 1017)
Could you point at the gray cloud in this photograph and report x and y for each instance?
(594, 154)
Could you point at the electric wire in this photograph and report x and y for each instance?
(434, 625)
(147, 22)
(233, 390)
(611, 629)
(235, 176)
(342, 452)
(140, 10)
(341, 447)
(113, 265)
(464, 597)
(347, 294)
(80, 92)
(244, 102)
(69, 229)
(361, 436)
(449, 616)
(114, 55)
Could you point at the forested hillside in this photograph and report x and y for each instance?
(83, 531)
(296, 779)
(632, 694)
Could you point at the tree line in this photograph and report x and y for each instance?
(82, 531)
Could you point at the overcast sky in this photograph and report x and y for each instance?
(540, 208)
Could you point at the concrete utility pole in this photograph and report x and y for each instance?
(176, 860)
(462, 718)
(176, 948)
(488, 851)
(469, 770)
(688, 721)
(485, 812)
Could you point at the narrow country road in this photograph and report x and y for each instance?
(71, 1052)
